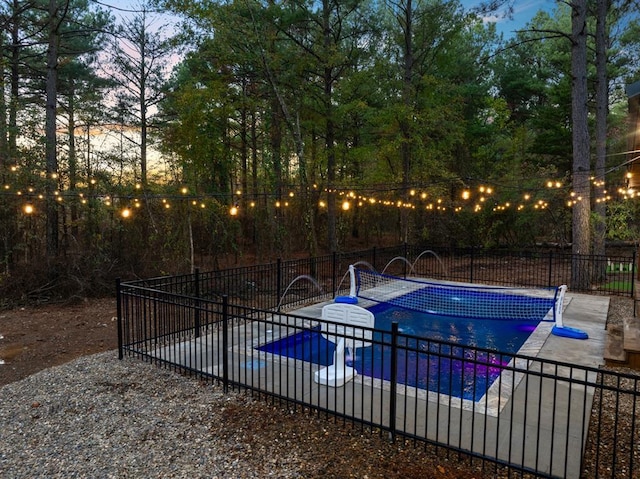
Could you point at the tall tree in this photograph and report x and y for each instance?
(81, 90)
(581, 178)
(57, 14)
(425, 97)
(406, 21)
(140, 59)
(327, 35)
(602, 113)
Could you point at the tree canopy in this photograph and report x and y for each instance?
(177, 132)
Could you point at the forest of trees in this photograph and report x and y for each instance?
(189, 133)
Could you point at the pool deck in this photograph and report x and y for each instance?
(516, 427)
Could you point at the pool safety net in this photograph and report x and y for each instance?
(479, 302)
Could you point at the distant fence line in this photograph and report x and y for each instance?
(264, 286)
(211, 324)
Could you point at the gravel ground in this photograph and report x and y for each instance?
(98, 417)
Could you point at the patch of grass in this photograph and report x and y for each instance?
(618, 286)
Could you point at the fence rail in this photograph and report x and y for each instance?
(535, 417)
(289, 283)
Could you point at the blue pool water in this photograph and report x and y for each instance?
(434, 354)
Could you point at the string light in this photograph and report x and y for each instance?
(356, 196)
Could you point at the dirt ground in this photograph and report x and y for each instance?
(38, 337)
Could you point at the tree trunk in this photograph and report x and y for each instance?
(50, 131)
(405, 121)
(602, 111)
(4, 146)
(329, 127)
(7, 214)
(143, 125)
(15, 83)
(73, 160)
(580, 139)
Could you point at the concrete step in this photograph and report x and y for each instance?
(622, 346)
(632, 334)
(614, 345)
(631, 342)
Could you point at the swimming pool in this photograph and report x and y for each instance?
(445, 354)
(457, 356)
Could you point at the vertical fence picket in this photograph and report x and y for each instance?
(197, 305)
(119, 316)
(334, 273)
(225, 343)
(471, 266)
(394, 380)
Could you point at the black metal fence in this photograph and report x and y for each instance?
(293, 282)
(536, 417)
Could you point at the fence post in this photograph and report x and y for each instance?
(278, 281)
(197, 303)
(394, 380)
(334, 268)
(119, 314)
(550, 268)
(225, 343)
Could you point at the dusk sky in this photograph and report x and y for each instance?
(523, 11)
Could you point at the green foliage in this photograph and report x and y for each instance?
(622, 221)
